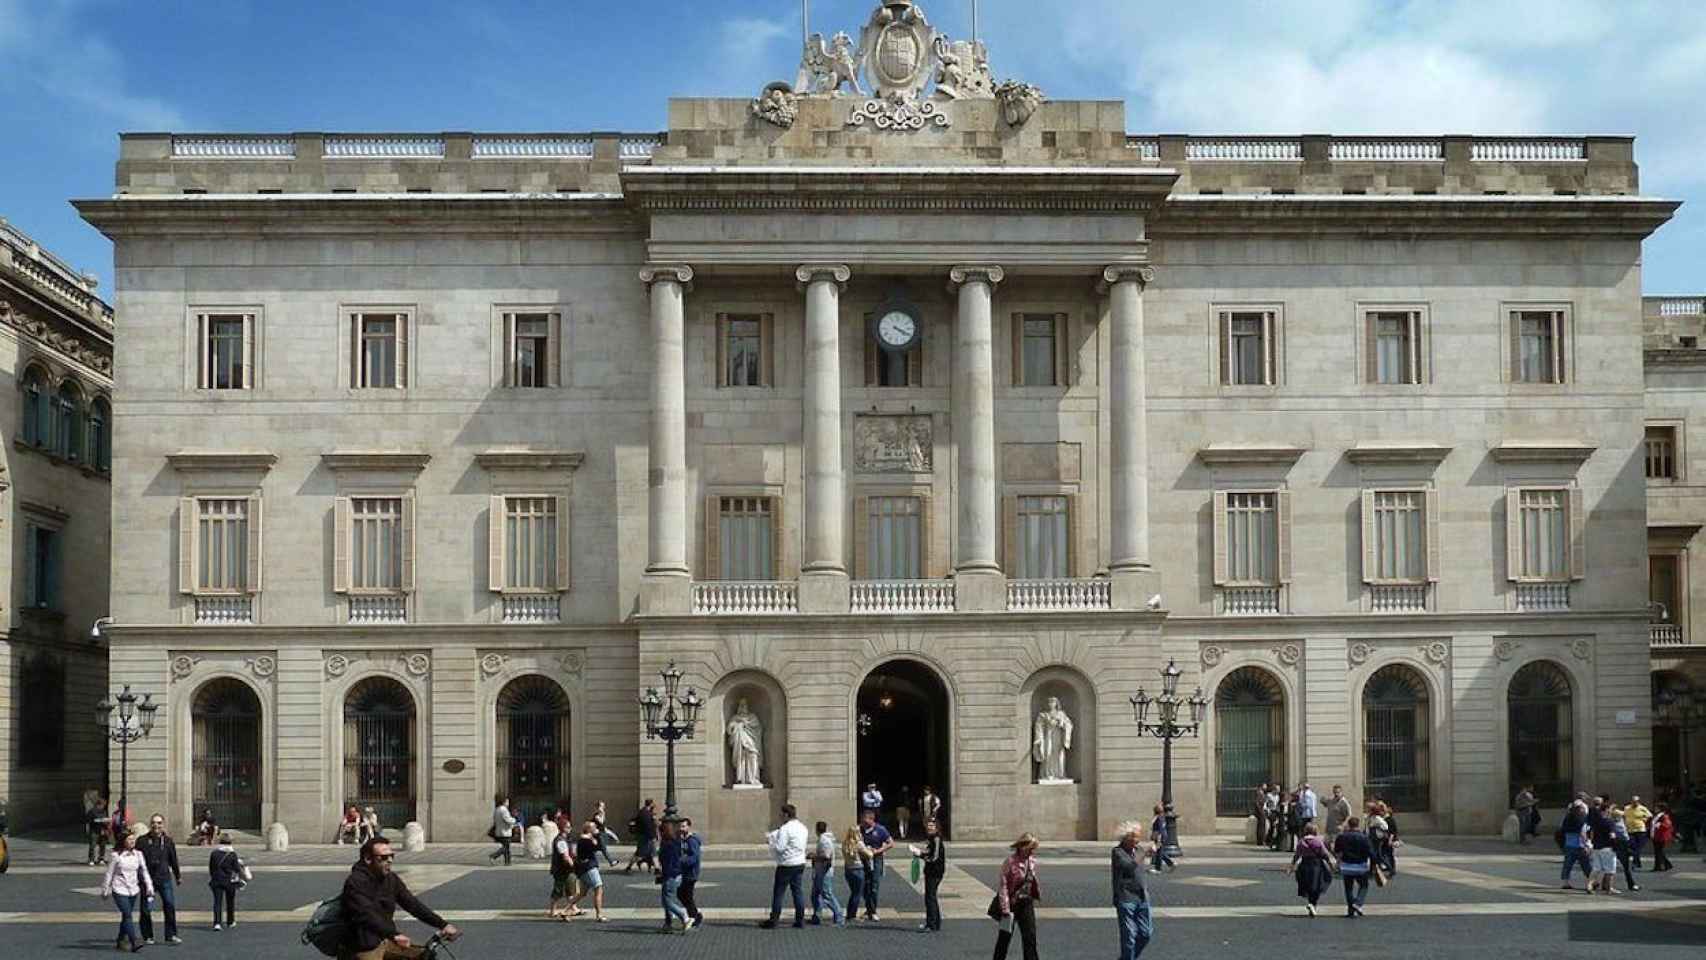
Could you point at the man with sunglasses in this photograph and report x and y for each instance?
(161, 855)
(372, 893)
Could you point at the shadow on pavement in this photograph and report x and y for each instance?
(1685, 927)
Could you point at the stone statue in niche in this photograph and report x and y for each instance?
(1051, 739)
(746, 751)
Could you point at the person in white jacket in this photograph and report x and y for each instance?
(788, 845)
(127, 882)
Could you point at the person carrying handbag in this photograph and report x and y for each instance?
(1015, 903)
(503, 828)
(226, 874)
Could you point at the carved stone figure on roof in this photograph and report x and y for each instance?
(826, 66)
(777, 104)
(1018, 101)
(963, 70)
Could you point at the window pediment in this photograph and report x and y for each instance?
(218, 461)
(1543, 451)
(525, 459)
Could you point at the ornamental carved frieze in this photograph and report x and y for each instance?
(893, 444)
(66, 344)
(413, 663)
(570, 663)
(1435, 652)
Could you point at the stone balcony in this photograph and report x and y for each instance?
(1666, 635)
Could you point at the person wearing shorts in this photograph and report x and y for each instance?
(586, 871)
(562, 875)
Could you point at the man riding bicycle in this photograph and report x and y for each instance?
(372, 893)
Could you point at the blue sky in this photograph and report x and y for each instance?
(73, 73)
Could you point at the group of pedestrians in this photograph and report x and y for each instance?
(143, 871)
(1326, 838)
(1603, 839)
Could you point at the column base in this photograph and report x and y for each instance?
(980, 590)
(824, 591)
(1133, 587)
(665, 593)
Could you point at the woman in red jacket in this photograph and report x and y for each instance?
(1662, 830)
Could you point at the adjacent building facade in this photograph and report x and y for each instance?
(55, 498)
(888, 419)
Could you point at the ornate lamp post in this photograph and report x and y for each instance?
(1684, 709)
(135, 721)
(663, 723)
(1167, 728)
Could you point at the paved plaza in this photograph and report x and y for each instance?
(1453, 898)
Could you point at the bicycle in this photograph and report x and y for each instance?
(437, 946)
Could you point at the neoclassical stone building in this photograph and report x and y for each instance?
(892, 417)
(55, 473)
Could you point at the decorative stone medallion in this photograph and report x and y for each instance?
(1288, 654)
(417, 664)
(1212, 655)
(571, 663)
(893, 444)
(337, 665)
(1436, 652)
(183, 665)
(493, 664)
(262, 667)
(1506, 649)
(1359, 653)
(1582, 650)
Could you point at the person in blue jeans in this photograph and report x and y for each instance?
(669, 871)
(1131, 900)
(853, 863)
(1572, 833)
(1356, 861)
(692, 855)
(877, 838)
(822, 858)
(161, 855)
(128, 883)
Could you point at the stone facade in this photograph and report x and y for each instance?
(1136, 253)
(54, 489)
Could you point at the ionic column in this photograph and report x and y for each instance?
(825, 486)
(974, 425)
(1128, 412)
(667, 478)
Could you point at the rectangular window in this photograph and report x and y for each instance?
(380, 354)
(1040, 342)
(1661, 453)
(1394, 345)
(746, 538)
(1043, 539)
(222, 539)
(227, 351)
(376, 543)
(895, 538)
(1545, 534)
(743, 349)
(1663, 588)
(1400, 536)
(530, 539)
(532, 347)
(1252, 538)
(1537, 346)
(41, 571)
(1249, 347)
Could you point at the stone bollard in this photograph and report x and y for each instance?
(535, 843)
(549, 827)
(1513, 829)
(278, 838)
(1250, 830)
(414, 837)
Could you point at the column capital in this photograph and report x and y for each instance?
(840, 273)
(966, 273)
(1141, 274)
(667, 272)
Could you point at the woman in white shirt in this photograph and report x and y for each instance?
(503, 828)
(127, 882)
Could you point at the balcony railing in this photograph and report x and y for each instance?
(532, 147)
(224, 610)
(234, 147)
(1386, 150)
(1542, 597)
(384, 148)
(1245, 150)
(378, 609)
(1250, 601)
(1059, 596)
(1398, 597)
(533, 608)
(902, 596)
(746, 598)
(1665, 634)
(1681, 306)
(1523, 151)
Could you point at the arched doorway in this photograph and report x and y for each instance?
(379, 750)
(1541, 723)
(533, 747)
(901, 721)
(1395, 726)
(1249, 738)
(225, 754)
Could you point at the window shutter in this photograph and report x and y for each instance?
(1225, 348)
(554, 355)
(1220, 559)
(341, 570)
(1282, 531)
(915, 363)
(721, 331)
(862, 538)
(403, 322)
(713, 548)
(32, 571)
(1010, 535)
(495, 542)
(1371, 363)
(1416, 347)
(563, 524)
(1075, 566)
(1558, 352)
(249, 377)
(1513, 533)
(767, 351)
(186, 545)
(1370, 565)
(779, 541)
(1017, 340)
(355, 379)
(1514, 318)
(254, 520)
(50, 576)
(509, 358)
(1578, 542)
(201, 378)
(1430, 516)
(1270, 349)
(407, 564)
(1062, 350)
(932, 557)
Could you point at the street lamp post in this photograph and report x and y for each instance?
(135, 721)
(663, 723)
(1167, 728)
(1684, 709)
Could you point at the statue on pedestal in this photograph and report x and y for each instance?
(746, 738)
(1051, 739)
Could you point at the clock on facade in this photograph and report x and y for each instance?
(896, 326)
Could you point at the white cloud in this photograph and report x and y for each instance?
(745, 46)
(48, 55)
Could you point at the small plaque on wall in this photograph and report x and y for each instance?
(454, 767)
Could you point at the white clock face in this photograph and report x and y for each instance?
(897, 328)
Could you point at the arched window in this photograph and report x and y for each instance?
(379, 750)
(101, 435)
(1249, 740)
(533, 746)
(1541, 722)
(225, 754)
(1395, 724)
(37, 417)
(68, 422)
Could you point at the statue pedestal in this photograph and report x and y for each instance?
(749, 786)
(742, 813)
(1047, 782)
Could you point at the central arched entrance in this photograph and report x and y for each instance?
(901, 722)
(533, 747)
(379, 750)
(1249, 741)
(225, 754)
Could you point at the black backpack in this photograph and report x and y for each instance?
(326, 930)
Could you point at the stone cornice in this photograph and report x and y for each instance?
(1411, 215)
(517, 459)
(424, 214)
(1398, 453)
(1542, 451)
(1230, 454)
(214, 461)
(375, 460)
